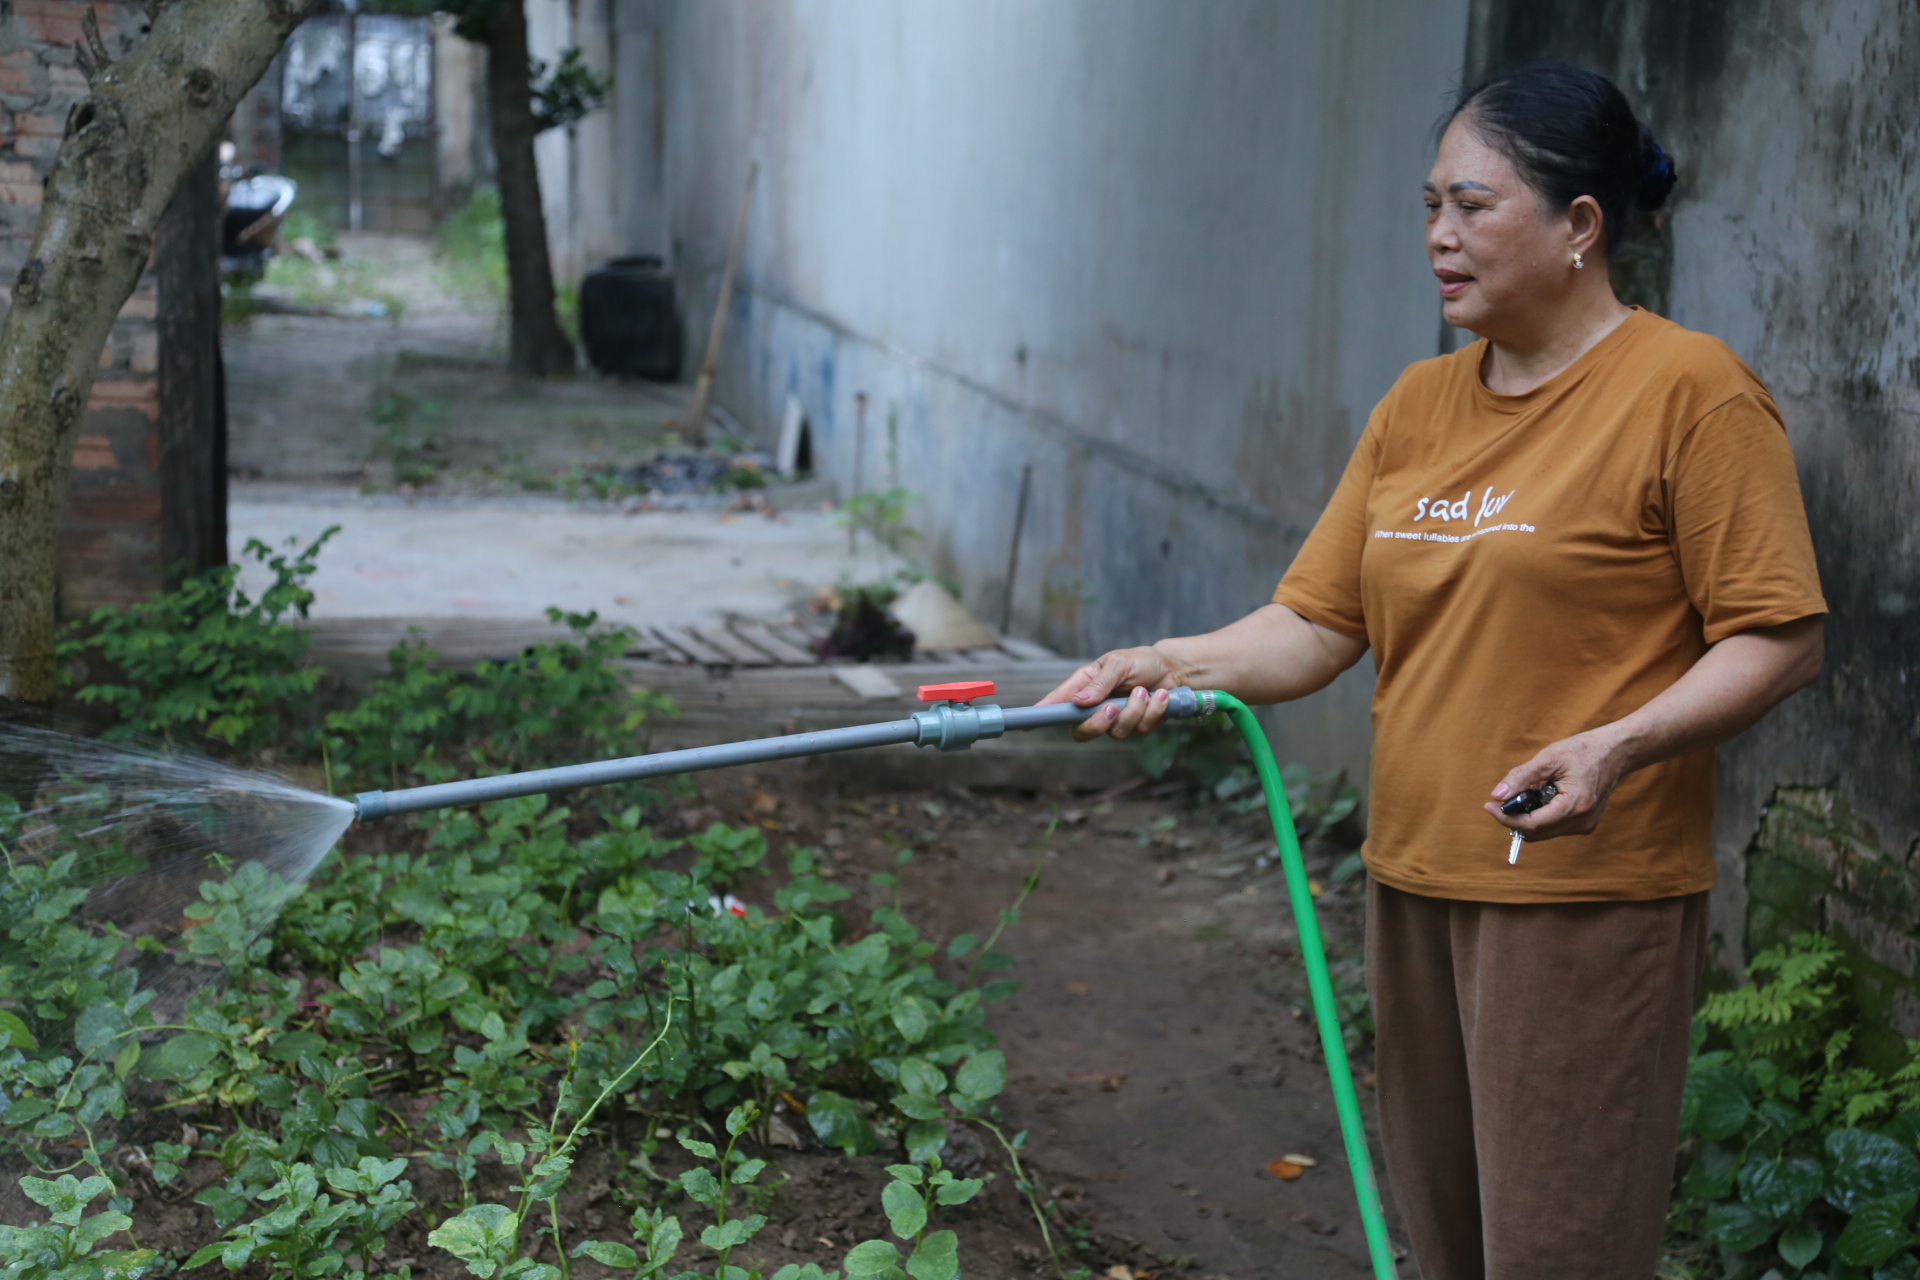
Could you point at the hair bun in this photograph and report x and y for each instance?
(1657, 179)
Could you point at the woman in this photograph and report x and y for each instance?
(1577, 551)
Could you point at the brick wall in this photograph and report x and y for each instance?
(119, 536)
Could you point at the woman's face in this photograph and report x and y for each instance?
(1502, 258)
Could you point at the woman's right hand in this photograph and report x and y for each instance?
(1144, 674)
(1271, 655)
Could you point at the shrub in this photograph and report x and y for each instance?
(206, 658)
(560, 702)
(1802, 1158)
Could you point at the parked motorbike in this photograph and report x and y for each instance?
(256, 206)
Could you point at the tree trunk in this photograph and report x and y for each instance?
(536, 345)
(147, 121)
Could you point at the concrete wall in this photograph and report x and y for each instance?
(1793, 236)
(1168, 254)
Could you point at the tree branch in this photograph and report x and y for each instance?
(92, 56)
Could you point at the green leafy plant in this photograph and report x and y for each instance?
(486, 1237)
(315, 1234)
(558, 702)
(482, 988)
(67, 1247)
(1803, 1158)
(910, 1199)
(882, 515)
(567, 91)
(207, 658)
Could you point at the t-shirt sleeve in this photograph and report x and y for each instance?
(1738, 523)
(1323, 583)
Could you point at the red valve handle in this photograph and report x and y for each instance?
(958, 691)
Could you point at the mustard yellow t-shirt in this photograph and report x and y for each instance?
(1528, 567)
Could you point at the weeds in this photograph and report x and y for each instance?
(882, 516)
(409, 436)
(207, 659)
(1801, 1157)
(472, 246)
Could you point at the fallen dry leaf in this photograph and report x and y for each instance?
(1285, 1170)
(763, 802)
(1078, 989)
(782, 1134)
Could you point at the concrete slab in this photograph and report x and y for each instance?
(514, 557)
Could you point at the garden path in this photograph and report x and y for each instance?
(332, 409)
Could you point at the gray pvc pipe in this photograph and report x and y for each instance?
(369, 805)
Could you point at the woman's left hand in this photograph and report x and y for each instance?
(1584, 768)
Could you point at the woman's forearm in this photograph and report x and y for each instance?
(1271, 655)
(1735, 682)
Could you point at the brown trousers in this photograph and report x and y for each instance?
(1530, 1061)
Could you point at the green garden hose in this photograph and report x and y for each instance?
(1326, 1013)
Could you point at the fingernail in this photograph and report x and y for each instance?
(1160, 696)
(1112, 712)
(1138, 695)
(1500, 792)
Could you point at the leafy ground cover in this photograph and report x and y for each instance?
(483, 999)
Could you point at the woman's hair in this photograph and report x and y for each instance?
(1570, 133)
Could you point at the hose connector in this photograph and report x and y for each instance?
(1184, 703)
(369, 805)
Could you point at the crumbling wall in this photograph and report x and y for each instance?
(147, 487)
(1794, 237)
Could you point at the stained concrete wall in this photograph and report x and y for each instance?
(1167, 254)
(1796, 131)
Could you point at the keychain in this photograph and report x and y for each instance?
(1526, 802)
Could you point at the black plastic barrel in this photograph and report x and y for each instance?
(628, 321)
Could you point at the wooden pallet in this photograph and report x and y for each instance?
(743, 642)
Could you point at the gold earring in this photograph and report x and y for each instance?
(1578, 261)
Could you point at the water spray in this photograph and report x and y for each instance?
(953, 723)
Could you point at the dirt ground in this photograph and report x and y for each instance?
(417, 400)
(1160, 1051)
